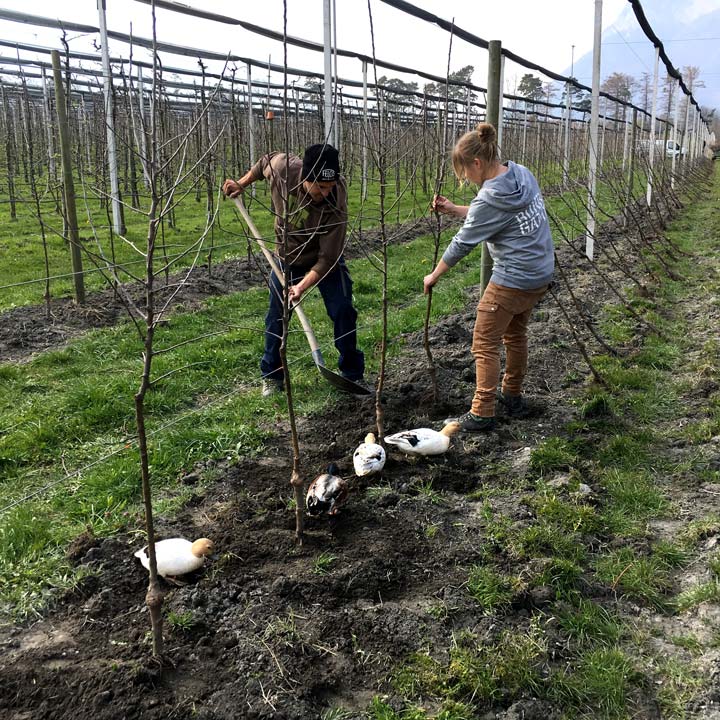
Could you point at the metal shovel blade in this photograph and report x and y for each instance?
(337, 380)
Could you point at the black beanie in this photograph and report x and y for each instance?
(321, 163)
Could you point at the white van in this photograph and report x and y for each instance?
(672, 149)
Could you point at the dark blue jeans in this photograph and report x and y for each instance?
(336, 291)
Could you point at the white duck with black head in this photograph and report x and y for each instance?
(424, 441)
(327, 492)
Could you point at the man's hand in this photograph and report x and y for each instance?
(295, 293)
(232, 188)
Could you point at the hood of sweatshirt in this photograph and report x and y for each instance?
(512, 191)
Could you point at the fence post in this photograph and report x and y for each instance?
(328, 114)
(631, 167)
(626, 139)
(68, 184)
(566, 144)
(675, 136)
(117, 212)
(143, 130)
(250, 122)
(653, 116)
(468, 100)
(49, 127)
(593, 140)
(492, 115)
(365, 133)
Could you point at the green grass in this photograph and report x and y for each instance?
(598, 684)
(588, 624)
(555, 453)
(477, 670)
(492, 590)
(22, 240)
(647, 578)
(324, 563)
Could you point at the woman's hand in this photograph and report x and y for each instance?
(441, 204)
(428, 282)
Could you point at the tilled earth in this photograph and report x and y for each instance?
(268, 630)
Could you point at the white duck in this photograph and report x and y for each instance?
(177, 556)
(424, 441)
(369, 458)
(327, 492)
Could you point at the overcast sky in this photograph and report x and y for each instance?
(542, 32)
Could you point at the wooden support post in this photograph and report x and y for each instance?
(492, 115)
(68, 183)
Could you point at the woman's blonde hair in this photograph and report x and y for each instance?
(478, 143)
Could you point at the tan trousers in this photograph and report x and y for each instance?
(502, 314)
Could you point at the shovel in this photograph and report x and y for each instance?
(336, 380)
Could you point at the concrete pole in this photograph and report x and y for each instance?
(631, 167)
(675, 135)
(468, 100)
(492, 115)
(118, 224)
(366, 133)
(143, 130)
(48, 125)
(593, 140)
(651, 155)
(604, 129)
(685, 136)
(250, 121)
(626, 141)
(68, 182)
(336, 124)
(692, 134)
(566, 145)
(327, 54)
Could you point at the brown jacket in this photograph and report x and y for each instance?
(316, 232)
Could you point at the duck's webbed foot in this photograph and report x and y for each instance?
(175, 581)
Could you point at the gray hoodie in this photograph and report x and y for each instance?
(509, 214)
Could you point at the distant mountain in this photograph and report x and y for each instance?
(682, 27)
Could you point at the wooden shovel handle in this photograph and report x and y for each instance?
(307, 328)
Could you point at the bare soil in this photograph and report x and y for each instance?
(269, 636)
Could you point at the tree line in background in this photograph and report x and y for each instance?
(625, 87)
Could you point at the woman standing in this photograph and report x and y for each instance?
(508, 213)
